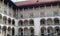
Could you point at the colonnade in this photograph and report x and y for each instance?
(7, 31)
(50, 31)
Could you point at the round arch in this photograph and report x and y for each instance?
(13, 22)
(43, 30)
(25, 22)
(20, 23)
(56, 21)
(42, 21)
(9, 28)
(9, 21)
(49, 21)
(9, 31)
(0, 16)
(5, 19)
(31, 22)
(26, 31)
(4, 28)
(13, 31)
(50, 31)
(57, 29)
(31, 31)
(20, 31)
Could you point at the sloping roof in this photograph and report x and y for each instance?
(29, 2)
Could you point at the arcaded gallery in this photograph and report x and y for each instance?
(30, 18)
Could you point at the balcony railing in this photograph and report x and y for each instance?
(50, 24)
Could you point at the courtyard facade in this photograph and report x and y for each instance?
(30, 20)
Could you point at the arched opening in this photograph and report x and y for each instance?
(4, 30)
(13, 22)
(31, 22)
(56, 21)
(0, 18)
(49, 21)
(25, 22)
(9, 21)
(9, 31)
(42, 22)
(26, 31)
(20, 30)
(0, 29)
(43, 31)
(31, 31)
(20, 23)
(5, 19)
(57, 31)
(50, 31)
(13, 31)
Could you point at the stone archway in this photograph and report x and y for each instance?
(4, 19)
(50, 31)
(9, 21)
(13, 22)
(20, 32)
(31, 31)
(9, 31)
(31, 22)
(20, 23)
(4, 30)
(56, 21)
(57, 31)
(43, 22)
(49, 21)
(13, 31)
(43, 31)
(25, 22)
(26, 31)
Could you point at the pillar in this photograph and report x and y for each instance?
(16, 28)
(37, 26)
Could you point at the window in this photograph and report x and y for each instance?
(56, 13)
(42, 14)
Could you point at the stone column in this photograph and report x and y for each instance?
(16, 27)
(37, 26)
